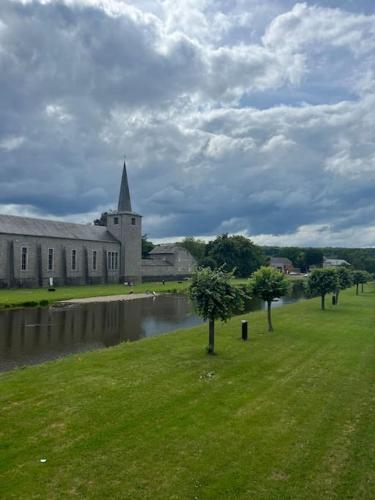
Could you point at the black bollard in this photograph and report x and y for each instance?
(333, 300)
(244, 329)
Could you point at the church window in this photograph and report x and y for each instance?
(74, 260)
(112, 260)
(24, 258)
(50, 259)
(94, 259)
(133, 221)
(115, 220)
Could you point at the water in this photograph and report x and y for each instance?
(35, 335)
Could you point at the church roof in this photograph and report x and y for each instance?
(124, 204)
(27, 226)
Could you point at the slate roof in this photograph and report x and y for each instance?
(124, 203)
(27, 226)
(336, 262)
(281, 260)
(165, 248)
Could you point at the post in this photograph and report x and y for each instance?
(244, 329)
(333, 300)
(211, 336)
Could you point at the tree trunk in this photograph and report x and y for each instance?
(211, 336)
(269, 303)
(362, 287)
(323, 302)
(337, 297)
(357, 289)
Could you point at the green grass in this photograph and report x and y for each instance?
(20, 297)
(287, 415)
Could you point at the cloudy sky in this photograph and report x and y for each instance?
(242, 116)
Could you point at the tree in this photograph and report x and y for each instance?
(214, 298)
(365, 278)
(321, 282)
(268, 284)
(102, 221)
(196, 247)
(358, 277)
(344, 280)
(313, 257)
(208, 262)
(236, 253)
(147, 246)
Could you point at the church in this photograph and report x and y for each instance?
(32, 251)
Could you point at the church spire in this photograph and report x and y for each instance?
(124, 204)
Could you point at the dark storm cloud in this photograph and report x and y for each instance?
(234, 116)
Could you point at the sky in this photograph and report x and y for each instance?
(253, 117)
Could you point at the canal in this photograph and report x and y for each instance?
(34, 335)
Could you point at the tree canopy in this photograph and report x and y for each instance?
(214, 297)
(147, 246)
(323, 281)
(344, 280)
(268, 284)
(196, 247)
(236, 253)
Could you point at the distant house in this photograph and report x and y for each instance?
(168, 262)
(282, 264)
(334, 263)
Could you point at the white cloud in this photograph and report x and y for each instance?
(11, 143)
(321, 235)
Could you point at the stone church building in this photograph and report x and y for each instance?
(34, 250)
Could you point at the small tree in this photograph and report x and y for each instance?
(358, 277)
(321, 282)
(268, 284)
(344, 280)
(214, 298)
(366, 277)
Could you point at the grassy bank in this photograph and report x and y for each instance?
(32, 297)
(23, 297)
(288, 415)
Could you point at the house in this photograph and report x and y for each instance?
(334, 263)
(34, 251)
(168, 262)
(281, 264)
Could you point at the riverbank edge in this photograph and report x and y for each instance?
(42, 297)
(108, 298)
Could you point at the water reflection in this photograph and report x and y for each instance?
(29, 336)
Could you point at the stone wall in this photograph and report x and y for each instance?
(37, 273)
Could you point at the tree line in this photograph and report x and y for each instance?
(215, 297)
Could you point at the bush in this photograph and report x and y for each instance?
(30, 303)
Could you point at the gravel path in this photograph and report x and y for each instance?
(109, 298)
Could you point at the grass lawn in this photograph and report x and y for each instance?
(287, 415)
